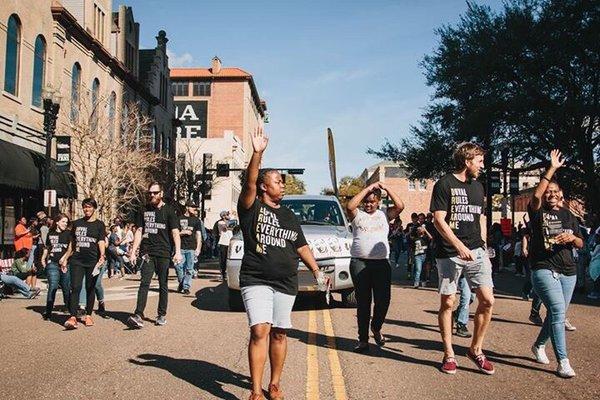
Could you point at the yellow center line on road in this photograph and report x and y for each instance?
(312, 359)
(337, 378)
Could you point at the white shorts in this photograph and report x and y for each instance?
(266, 305)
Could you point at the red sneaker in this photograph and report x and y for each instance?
(71, 323)
(482, 363)
(449, 365)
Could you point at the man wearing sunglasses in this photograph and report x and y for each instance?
(156, 237)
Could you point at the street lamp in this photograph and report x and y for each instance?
(52, 100)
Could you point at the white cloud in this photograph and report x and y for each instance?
(184, 60)
(341, 76)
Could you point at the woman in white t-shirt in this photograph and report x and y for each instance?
(370, 269)
(225, 236)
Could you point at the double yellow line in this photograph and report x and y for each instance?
(312, 373)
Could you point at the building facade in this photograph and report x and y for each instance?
(76, 48)
(218, 108)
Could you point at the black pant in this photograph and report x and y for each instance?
(223, 259)
(372, 281)
(77, 274)
(160, 265)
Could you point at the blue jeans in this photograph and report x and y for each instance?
(185, 270)
(16, 283)
(556, 291)
(98, 288)
(418, 261)
(55, 278)
(466, 298)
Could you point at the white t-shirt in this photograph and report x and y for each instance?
(370, 236)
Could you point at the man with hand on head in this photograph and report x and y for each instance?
(190, 229)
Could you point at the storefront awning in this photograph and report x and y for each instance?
(22, 169)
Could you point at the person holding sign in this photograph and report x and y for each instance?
(554, 234)
(273, 240)
(457, 206)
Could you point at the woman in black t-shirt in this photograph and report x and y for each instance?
(273, 240)
(554, 234)
(56, 245)
(85, 257)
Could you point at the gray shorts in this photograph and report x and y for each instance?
(478, 272)
(266, 305)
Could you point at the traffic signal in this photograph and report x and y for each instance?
(206, 189)
(223, 170)
(298, 171)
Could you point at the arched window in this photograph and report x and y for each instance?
(75, 90)
(39, 67)
(95, 103)
(112, 106)
(13, 52)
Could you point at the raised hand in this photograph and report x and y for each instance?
(556, 159)
(259, 141)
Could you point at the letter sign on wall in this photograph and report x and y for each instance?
(193, 117)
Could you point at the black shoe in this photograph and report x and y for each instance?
(536, 319)
(462, 330)
(379, 338)
(33, 293)
(180, 288)
(186, 291)
(361, 348)
(101, 307)
(46, 316)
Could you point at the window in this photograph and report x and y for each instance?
(422, 185)
(154, 138)
(412, 185)
(95, 103)
(39, 62)
(180, 88)
(201, 88)
(99, 23)
(13, 50)
(112, 106)
(75, 90)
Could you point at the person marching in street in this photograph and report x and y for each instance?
(190, 230)
(369, 267)
(554, 235)
(420, 238)
(157, 238)
(85, 257)
(225, 235)
(457, 204)
(273, 240)
(57, 243)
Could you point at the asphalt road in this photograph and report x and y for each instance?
(201, 352)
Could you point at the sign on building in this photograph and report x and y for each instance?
(63, 153)
(193, 117)
(49, 198)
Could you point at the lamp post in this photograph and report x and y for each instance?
(51, 98)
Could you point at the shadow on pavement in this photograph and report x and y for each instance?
(59, 319)
(494, 318)
(202, 374)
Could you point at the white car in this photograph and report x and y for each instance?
(328, 235)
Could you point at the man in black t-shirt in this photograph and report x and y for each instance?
(190, 230)
(273, 241)
(457, 204)
(85, 257)
(157, 238)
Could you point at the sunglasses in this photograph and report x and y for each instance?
(153, 193)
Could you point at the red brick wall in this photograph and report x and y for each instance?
(226, 108)
(414, 200)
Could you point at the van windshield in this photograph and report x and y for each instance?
(315, 212)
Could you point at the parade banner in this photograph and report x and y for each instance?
(193, 116)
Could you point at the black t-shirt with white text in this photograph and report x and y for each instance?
(85, 238)
(463, 203)
(156, 225)
(57, 244)
(545, 225)
(271, 237)
(189, 242)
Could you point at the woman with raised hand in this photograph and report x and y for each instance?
(554, 235)
(273, 241)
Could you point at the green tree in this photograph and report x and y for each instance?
(348, 187)
(526, 78)
(294, 185)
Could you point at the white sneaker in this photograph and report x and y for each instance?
(568, 326)
(540, 354)
(564, 369)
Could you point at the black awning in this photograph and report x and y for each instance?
(22, 168)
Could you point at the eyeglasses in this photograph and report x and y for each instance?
(150, 193)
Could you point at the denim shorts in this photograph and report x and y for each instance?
(266, 305)
(477, 272)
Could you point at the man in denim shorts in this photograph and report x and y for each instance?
(457, 206)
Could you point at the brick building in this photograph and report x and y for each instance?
(218, 108)
(416, 195)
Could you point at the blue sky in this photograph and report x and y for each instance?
(349, 65)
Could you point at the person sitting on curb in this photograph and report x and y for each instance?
(18, 269)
